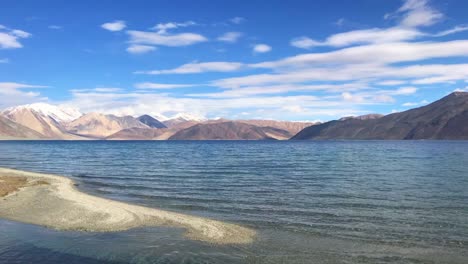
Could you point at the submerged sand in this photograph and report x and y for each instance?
(53, 201)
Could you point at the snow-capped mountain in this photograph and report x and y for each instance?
(58, 113)
(188, 117)
(178, 116)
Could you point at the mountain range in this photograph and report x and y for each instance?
(446, 118)
(45, 121)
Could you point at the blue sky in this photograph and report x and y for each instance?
(288, 60)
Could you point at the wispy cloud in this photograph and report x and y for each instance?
(162, 28)
(150, 85)
(198, 67)
(56, 27)
(304, 43)
(117, 25)
(412, 15)
(416, 13)
(140, 49)
(98, 89)
(237, 20)
(173, 40)
(413, 104)
(9, 38)
(4, 60)
(12, 94)
(230, 37)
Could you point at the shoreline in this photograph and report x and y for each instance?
(59, 205)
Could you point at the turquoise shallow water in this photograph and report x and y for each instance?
(311, 202)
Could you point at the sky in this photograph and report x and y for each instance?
(283, 60)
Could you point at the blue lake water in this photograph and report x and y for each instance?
(310, 202)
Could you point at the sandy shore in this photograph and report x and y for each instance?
(53, 201)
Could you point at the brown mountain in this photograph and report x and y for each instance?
(179, 123)
(12, 130)
(230, 130)
(446, 118)
(45, 125)
(136, 133)
(290, 126)
(101, 126)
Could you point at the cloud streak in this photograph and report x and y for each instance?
(198, 67)
(173, 40)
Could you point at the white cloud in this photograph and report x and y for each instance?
(418, 13)
(461, 89)
(237, 20)
(304, 43)
(283, 88)
(412, 104)
(117, 25)
(376, 54)
(391, 82)
(175, 40)
(98, 89)
(12, 94)
(9, 38)
(365, 36)
(149, 85)
(20, 33)
(261, 48)
(6, 87)
(163, 27)
(230, 37)
(414, 13)
(198, 67)
(155, 104)
(406, 90)
(454, 30)
(140, 49)
(415, 74)
(347, 96)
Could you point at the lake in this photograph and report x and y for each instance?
(309, 201)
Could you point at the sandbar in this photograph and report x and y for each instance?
(54, 202)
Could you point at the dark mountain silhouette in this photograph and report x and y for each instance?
(446, 118)
(151, 121)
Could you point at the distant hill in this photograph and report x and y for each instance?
(446, 118)
(151, 121)
(179, 123)
(135, 133)
(292, 127)
(230, 130)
